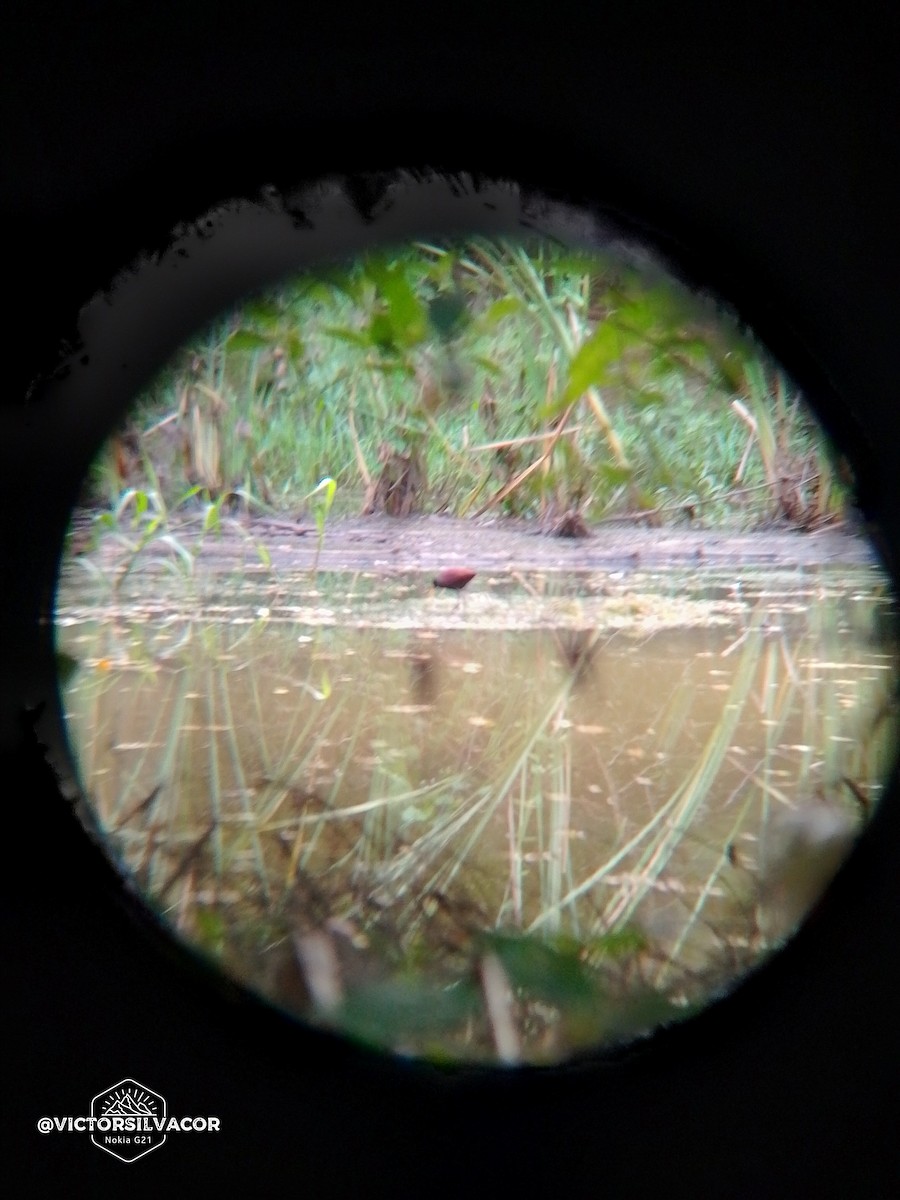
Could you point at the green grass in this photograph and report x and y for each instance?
(527, 378)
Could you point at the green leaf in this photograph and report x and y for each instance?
(500, 309)
(210, 929)
(615, 474)
(381, 332)
(188, 495)
(619, 942)
(293, 346)
(406, 313)
(488, 364)
(211, 519)
(347, 283)
(648, 397)
(392, 366)
(326, 487)
(660, 306)
(556, 974)
(697, 346)
(389, 1012)
(638, 316)
(263, 312)
(247, 340)
(591, 365)
(344, 334)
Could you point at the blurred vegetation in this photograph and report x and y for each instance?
(520, 379)
(524, 378)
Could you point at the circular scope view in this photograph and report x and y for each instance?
(475, 650)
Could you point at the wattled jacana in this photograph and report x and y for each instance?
(453, 578)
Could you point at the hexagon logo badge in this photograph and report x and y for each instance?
(129, 1120)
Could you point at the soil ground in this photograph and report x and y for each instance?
(387, 544)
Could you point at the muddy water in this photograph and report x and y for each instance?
(347, 790)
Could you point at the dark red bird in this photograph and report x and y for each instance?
(454, 578)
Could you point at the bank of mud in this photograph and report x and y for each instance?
(385, 545)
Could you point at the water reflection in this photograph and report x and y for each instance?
(551, 820)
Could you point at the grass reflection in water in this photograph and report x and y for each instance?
(467, 841)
